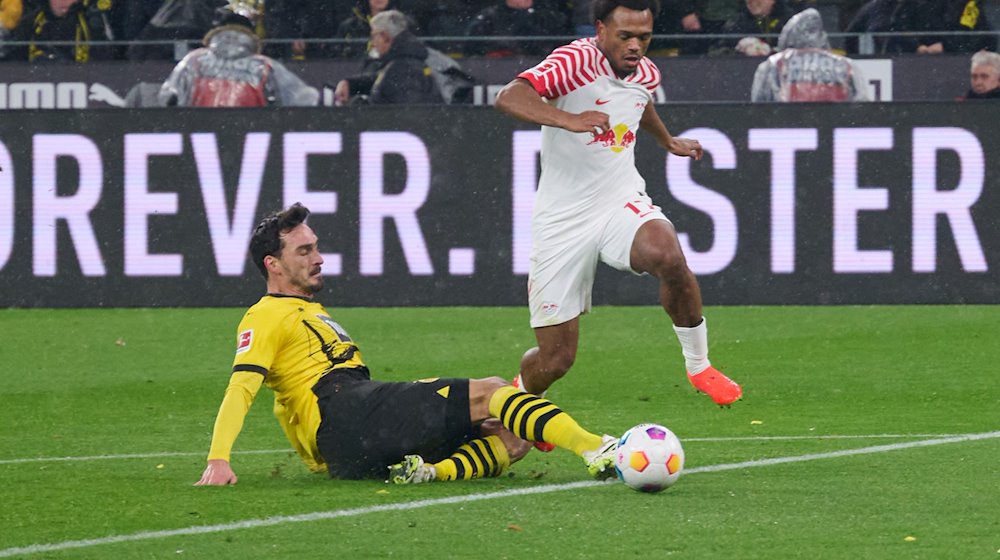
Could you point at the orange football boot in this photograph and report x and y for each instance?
(715, 384)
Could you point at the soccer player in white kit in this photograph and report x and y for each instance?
(591, 97)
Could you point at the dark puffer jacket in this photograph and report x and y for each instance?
(357, 26)
(401, 76)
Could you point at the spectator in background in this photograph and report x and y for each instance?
(84, 23)
(444, 18)
(927, 16)
(129, 18)
(984, 76)
(441, 17)
(230, 72)
(582, 18)
(10, 15)
(940, 15)
(705, 17)
(358, 26)
(755, 19)
(668, 22)
(515, 18)
(873, 17)
(847, 10)
(399, 74)
(297, 20)
(804, 69)
(177, 20)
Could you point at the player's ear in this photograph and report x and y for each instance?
(271, 264)
(601, 29)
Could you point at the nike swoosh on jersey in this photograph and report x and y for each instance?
(601, 101)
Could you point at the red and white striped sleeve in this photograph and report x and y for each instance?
(567, 68)
(647, 75)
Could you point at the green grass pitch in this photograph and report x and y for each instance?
(106, 416)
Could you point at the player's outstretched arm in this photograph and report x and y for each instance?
(519, 100)
(217, 473)
(240, 393)
(652, 124)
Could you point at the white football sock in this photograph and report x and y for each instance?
(519, 383)
(694, 345)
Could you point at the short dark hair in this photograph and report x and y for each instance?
(601, 9)
(266, 238)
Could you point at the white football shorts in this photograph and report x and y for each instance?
(565, 253)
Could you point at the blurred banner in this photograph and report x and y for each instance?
(685, 79)
(792, 204)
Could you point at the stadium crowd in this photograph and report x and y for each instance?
(425, 41)
(80, 30)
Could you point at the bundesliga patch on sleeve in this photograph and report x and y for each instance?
(243, 341)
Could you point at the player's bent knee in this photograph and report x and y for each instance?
(666, 256)
(493, 383)
(529, 356)
(671, 266)
(558, 364)
(482, 389)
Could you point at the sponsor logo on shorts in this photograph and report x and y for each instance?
(243, 341)
(549, 309)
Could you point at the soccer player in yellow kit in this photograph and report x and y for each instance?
(341, 421)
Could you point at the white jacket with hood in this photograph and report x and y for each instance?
(230, 72)
(804, 69)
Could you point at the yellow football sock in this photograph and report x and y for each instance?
(479, 458)
(533, 418)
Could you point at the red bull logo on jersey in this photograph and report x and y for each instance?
(616, 138)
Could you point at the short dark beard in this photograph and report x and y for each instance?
(317, 288)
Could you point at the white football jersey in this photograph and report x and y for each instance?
(580, 169)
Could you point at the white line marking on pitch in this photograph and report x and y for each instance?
(322, 515)
(831, 436)
(134, 456)
(154, 455)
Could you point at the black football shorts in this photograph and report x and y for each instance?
(368, 425)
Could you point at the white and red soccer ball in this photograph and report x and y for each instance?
(649, 458)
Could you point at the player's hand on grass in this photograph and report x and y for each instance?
(686, 147)
(217, 473)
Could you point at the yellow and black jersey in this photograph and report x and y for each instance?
(292, 342)
(286, 343)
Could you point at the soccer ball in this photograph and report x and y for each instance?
(649, 458)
